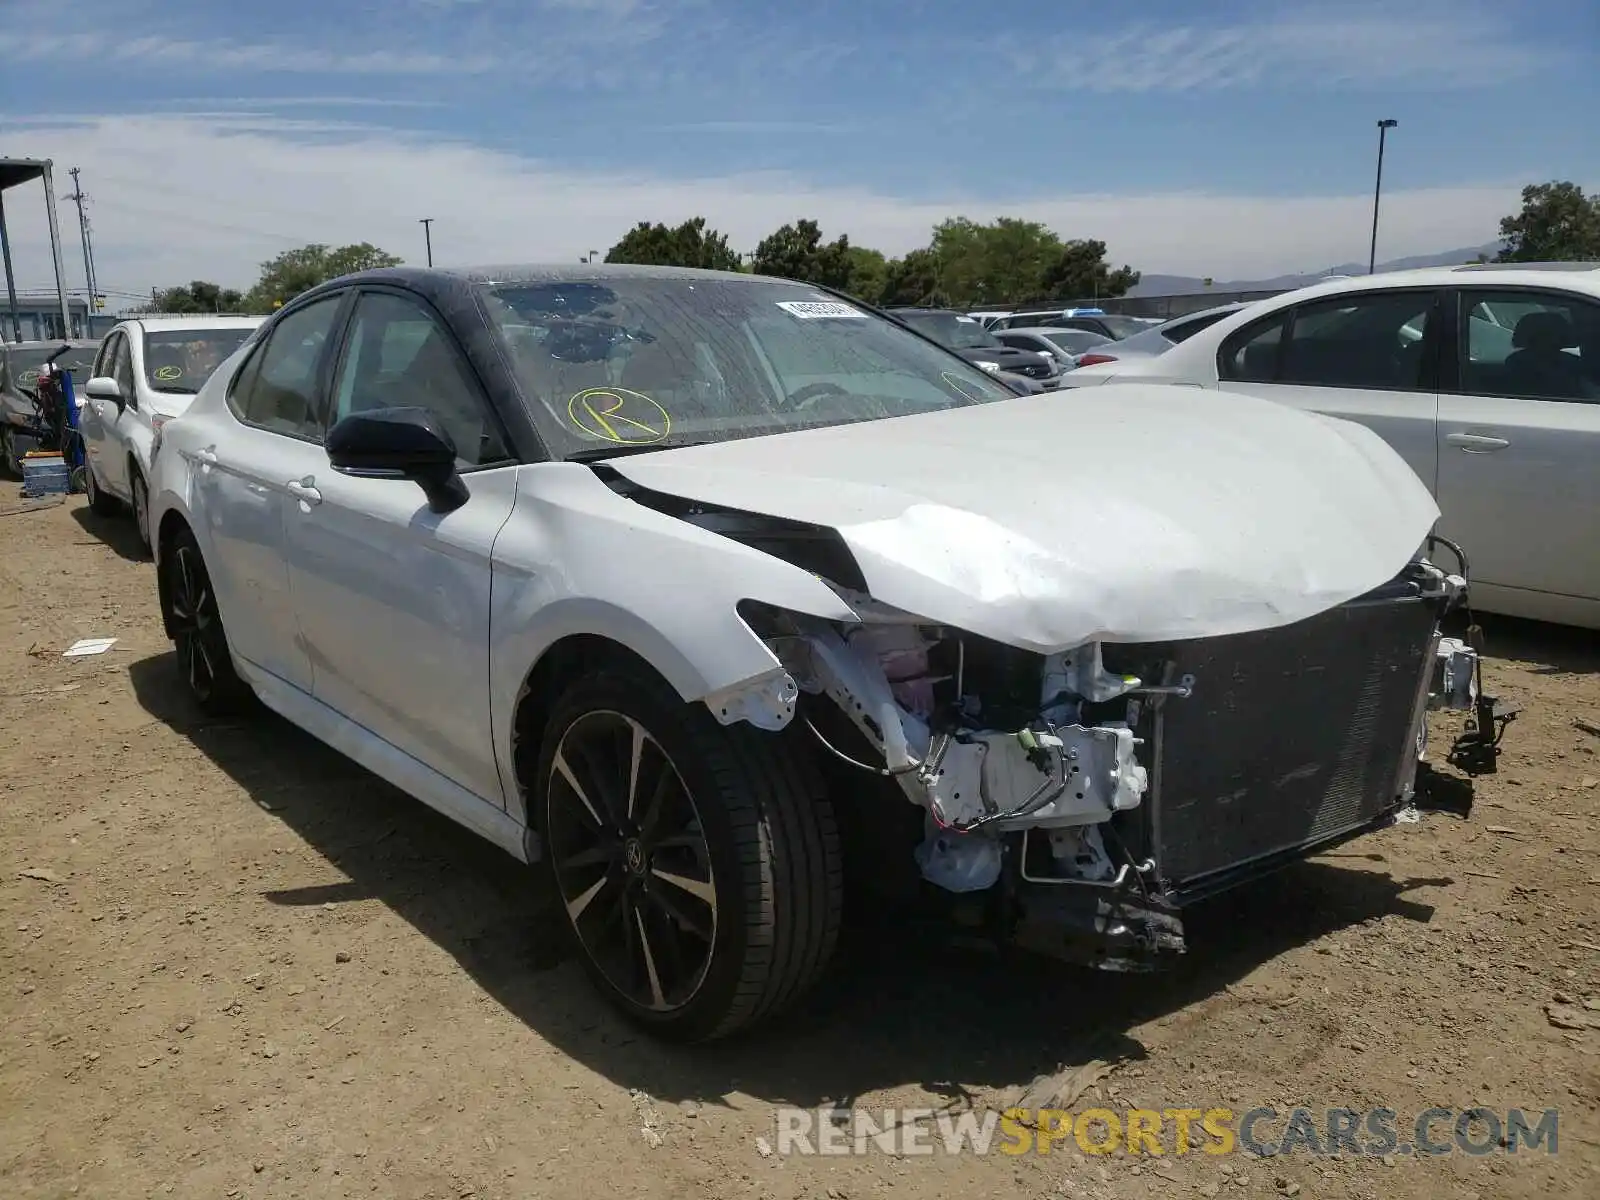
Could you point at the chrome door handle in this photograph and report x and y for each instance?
(206, 458)
(1477, 443)
(303, 492)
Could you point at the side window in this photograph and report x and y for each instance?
(398, 356)
(1251, 354)
(122, 371)
(1533, 345)
(106, 355)
(1363, 340)
(277, 389)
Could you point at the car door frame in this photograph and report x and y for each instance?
(489, 775)
(92, 424)
(1499, 594)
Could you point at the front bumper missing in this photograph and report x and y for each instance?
(1293, 741)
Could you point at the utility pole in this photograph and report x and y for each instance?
(1384, 126)
(427, 235)
(89, 280)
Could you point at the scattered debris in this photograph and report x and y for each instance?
(1481, 874)
(334, 1023)
(42, 874)
(1506, 829)
(763, 1147)
(84, 647)
(1065, 1087)
(343, 956)
(1568, 1016)
(1588, 725)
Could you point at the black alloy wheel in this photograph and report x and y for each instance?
(697, 866)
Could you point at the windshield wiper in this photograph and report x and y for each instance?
(598, 453)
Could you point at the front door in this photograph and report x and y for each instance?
(392, 597)
(1369, 357)
(1519, 443)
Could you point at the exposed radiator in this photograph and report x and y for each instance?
(1291, 736)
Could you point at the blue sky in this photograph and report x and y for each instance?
(1224, 137)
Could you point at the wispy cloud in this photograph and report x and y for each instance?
(265, 189)
(1422, 45)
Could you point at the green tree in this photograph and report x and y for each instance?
(1558, 223)
(1081, 272)
(869, 272)
(294, 271)
(797, 251)
(688, 245)
(913, 279)
(196, 297)
(1002, 263)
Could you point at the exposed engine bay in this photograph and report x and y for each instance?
(1090, 793)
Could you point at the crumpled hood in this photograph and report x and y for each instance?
(1135, 513)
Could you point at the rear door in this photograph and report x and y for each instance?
(242, 481)
(1369, 356)
(1519, 441)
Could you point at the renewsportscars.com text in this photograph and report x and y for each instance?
(1264, 1131)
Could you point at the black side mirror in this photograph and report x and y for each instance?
(399, 443)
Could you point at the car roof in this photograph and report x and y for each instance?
(1586, 276)
(167, 323)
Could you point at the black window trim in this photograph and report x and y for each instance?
(1459, 303)
(320, 375)
(1434, 337)
(483, 398)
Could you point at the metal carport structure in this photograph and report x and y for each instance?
(14, 172)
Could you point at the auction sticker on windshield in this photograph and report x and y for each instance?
(812, 310)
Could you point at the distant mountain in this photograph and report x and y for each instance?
(1177, 285)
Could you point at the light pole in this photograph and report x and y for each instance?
(427, 235)
(1384, 126)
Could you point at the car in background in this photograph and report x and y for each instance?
(20, 427)
(1066, 346)
(146, 372)
(1111, 325)
(1158, 339)
(691, 587)
(962, 334)
(1486, 379)
(988, 318)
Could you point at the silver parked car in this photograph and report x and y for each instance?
(1066, 346)
(1485, 378)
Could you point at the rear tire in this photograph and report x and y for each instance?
(697, 866)
(197, 632)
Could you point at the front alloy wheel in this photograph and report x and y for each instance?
(631, 861)
(141, 507)
(697, 866)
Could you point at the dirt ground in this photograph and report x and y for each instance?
(232, 964)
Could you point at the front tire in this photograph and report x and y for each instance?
(8, 450)
(141, 505)
(697, 866)
(196, 624)
(101, 502)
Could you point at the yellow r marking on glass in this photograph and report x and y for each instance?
(605, 413)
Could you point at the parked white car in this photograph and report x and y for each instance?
(699, 589)
(146, 372)
(1485, 378)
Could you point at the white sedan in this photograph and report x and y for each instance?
(1485, 378)
(145, 373)
(699, 589)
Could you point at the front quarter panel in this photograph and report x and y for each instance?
(577, 558)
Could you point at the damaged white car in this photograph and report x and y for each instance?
(704, 592)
